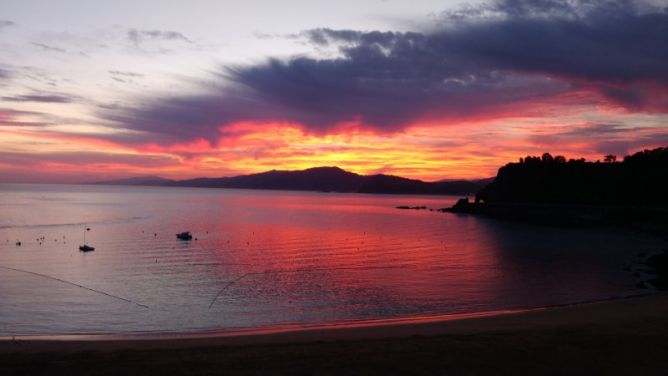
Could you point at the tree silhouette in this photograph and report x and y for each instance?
(640, 179)
(610, 158)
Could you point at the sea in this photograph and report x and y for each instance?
(265, 259)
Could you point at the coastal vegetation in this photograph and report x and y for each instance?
(639, 179)
(630, 193)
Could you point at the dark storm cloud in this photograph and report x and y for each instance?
(613, 44)
(490, 59)
(384, 85)
(610, 42)
(139, 36)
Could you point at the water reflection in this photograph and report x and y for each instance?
(265, 258)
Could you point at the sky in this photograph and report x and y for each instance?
(93, 90)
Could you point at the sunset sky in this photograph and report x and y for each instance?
(424, 89)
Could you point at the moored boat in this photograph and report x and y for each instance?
(186, 235)
(86, 248)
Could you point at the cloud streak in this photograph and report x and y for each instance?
(49, 48)
(606, 138)
(40, 98)
(125, 73)
(139, 36)
(76, 158)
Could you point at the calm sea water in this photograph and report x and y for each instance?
(265, 258)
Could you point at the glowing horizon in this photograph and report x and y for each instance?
(456, 95)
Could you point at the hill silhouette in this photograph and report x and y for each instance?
(640, 179)
(324, 179)
(550, 190)
(139, 180)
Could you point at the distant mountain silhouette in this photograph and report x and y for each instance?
(140, 180)
(325, 179)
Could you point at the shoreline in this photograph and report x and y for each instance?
(617, 337)
(362, 330)
(643, 219)
(279, 328)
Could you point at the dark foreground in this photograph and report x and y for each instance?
(618, 338)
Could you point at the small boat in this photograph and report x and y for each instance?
(184, 235)
(85, 247)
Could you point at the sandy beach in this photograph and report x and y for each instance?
(626, 336)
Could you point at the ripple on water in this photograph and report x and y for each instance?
(277, 258)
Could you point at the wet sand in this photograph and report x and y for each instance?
(627, 336)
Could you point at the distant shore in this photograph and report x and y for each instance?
(621, 336)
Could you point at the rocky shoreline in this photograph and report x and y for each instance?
(636, 218)
(652, 221)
